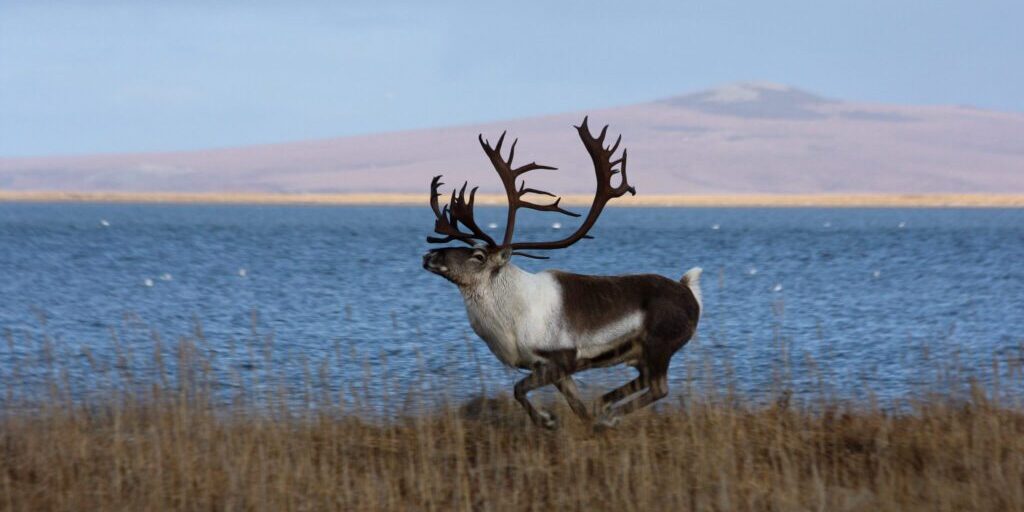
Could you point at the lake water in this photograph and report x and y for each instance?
(864, 301)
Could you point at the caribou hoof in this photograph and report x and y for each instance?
(546, 419)
(606, 421)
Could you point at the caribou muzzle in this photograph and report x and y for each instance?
(433, 261)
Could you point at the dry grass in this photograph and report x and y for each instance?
(706, 200)
(177, 453)
(167, 446)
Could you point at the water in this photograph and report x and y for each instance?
(861, 301)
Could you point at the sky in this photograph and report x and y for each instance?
(102, 77)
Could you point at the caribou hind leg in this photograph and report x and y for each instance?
(618, 394)
(656, 390)
(667, 332)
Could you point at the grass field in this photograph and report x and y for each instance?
(167, 446)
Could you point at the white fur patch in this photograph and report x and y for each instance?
(692, 279)
(610, 336)
(516, 313)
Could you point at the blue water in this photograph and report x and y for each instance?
(862, 301)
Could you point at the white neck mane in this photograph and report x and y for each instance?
(511, 309)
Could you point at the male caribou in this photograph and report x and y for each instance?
(555, 323)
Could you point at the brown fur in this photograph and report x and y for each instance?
(592, 302)
(671, 312)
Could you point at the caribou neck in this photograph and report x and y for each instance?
(496, 307)
(505, 282)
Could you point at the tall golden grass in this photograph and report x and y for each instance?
(171, 444)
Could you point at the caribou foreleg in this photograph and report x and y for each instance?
(572, 395)
(541, 376)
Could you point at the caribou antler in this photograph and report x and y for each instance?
(604, 169)
(509, 176)
(461, 211)
(457, 211)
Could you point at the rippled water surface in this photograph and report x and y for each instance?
(862, 300)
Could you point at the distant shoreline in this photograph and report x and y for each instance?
(371, 199)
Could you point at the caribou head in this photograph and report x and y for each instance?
(557, 323)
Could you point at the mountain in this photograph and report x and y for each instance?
(738, 138)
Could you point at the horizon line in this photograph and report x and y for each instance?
(818, 200)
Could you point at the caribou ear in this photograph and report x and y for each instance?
(504, 255)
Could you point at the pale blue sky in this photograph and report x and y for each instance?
(141, 76)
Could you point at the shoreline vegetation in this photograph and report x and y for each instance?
(173, 450)
(172, 441)
(641, 200)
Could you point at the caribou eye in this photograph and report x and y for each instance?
(478, 257)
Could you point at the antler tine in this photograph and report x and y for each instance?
(616, 145)
(553, 207)
(583, 125)
(534, 256)
(523, 191)
(500, 141)
(434, 194)
(532, 166)
(512, 151)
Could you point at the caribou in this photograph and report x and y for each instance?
(556, 323)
